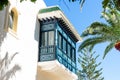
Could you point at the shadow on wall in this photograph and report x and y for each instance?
(3, 21)
(36, 37)
(37, 34)
(5, 71)
(37, 30)
(2, 35)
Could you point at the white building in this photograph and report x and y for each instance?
(20, 28)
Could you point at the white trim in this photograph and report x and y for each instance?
(60, 14)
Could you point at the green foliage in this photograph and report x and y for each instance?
(80, 1)
(113, 3)
(30, 0)
(4, 3)
(5, 71)
(99, 32)
(105, 3)
(89, 71)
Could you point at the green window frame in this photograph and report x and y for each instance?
(47, 38)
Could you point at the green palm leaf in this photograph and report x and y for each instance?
(108, 48)
(99, 32)
(96, 28)
(91, 41)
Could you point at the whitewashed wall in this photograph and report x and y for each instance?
(25, 42)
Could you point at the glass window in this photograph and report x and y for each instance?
(11, 20)
(51, 38)
(59, 41)
(73, 54)
(69, 50)
(43, 39)
(64, 45)
(47, 38)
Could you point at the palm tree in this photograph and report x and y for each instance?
(99, 32)
(5, 72)
(105, 3)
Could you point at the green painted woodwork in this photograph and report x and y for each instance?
(49, 9)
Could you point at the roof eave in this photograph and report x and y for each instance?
(56, 12)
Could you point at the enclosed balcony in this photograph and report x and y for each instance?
(57, 45)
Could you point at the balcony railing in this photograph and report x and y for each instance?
(47, 53)
(66, 61)
(51, 53)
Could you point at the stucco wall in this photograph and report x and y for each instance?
(25, 40)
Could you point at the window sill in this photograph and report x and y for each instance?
(12, 32)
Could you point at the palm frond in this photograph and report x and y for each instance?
(96, 28)
(91, 41)
(99, 32)
(81, 3)
(108, 48)
(117, 16)
(110, 18)
(105, 3)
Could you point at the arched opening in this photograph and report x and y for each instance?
(13, 19)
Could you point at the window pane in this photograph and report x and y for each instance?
(73, 54)
(64, 45)
(51, 38)
(59, 41)
(44, 39)
(69, 50)
(11, 20)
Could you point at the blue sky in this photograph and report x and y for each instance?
(91, 12)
